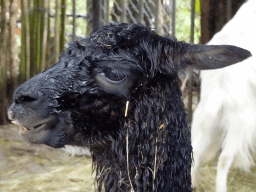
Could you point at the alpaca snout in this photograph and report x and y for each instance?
(10, 113)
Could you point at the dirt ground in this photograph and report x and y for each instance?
(28, 168)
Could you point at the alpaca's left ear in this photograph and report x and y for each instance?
(209, 56)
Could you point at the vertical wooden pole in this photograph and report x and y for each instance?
(106, 12)
(62, 25)
(157, 2)
(123, 14)
(173, 18)
(25, 25)
(229, 10)
(45, 33)
(3, 45)
(12, 68)
(190, 82)
(57, 31)
(141, 11)
(96, 20)
(74, 21)
(38, 36)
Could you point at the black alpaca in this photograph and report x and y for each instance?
(117, 92)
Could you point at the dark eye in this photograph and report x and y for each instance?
(23, 98)
(114, 75)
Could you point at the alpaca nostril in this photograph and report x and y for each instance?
(10, 114)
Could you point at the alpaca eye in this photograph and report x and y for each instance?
(114, 75)
(24, 98)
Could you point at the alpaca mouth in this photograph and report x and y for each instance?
(39, 125)
(43, 124)
(23, 130)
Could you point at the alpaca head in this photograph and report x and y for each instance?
(81, 100)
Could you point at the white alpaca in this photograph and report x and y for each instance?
(225, 118)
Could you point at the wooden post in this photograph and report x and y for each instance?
(123, 14)
(74, 21)
(190, 81)
(62, 24)
(157, 16)
(45, 33)
(106, 12)
(3, 45)
(96, 20)
(57, 32)
(26, 40)
(173, 18)
(12, 68)
(141, 11)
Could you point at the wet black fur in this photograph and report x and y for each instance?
(156, 117)
(82, 110)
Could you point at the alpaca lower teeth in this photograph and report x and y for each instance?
(15, 122)
(23, 128)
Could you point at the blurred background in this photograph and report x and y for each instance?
(33, 33)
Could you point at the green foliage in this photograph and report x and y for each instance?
(197, 7)
(183, 21)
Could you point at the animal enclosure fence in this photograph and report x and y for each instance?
(46, 26)
(159, 15)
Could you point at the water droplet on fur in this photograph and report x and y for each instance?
(210, 57)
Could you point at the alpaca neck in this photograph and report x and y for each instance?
(152, 150)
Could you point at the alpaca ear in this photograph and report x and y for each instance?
(210, 56)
